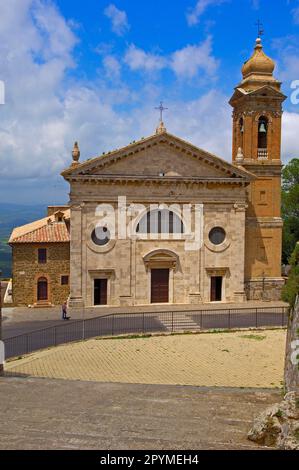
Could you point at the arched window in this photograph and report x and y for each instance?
(42, 289)
(161, 221)
(241, 132)
(263, 133)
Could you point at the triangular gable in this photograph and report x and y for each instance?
(266, 90)
(176, 158)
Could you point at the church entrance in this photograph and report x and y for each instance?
(159, 286)
(100, 291)
(216, 288)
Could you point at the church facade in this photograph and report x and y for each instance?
(239, 256)
(162, 221)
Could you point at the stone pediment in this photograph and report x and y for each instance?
(159, 156)
(266, 91)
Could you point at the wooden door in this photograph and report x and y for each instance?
(216, 289)
(100, 291)
(42, 289)
(159, 286)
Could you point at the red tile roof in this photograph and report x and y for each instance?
(47, 230)
(52, 233)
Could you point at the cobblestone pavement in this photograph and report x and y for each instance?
(240, 359)
(61, 414)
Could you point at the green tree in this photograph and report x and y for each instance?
(291, 289)
(290, 208)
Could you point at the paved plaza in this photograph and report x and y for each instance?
(239, 359)
(62, 414)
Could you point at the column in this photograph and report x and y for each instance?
(76, 299)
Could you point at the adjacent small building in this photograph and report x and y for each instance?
(41, 260)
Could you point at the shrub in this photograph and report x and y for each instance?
(291, 289)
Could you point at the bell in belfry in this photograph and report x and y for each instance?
(262, 128)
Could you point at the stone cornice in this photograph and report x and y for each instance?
(265, 222)
(150, 179)
(228, 202)
(241, 94)
(264, 168)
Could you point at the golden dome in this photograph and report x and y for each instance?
(259, 63)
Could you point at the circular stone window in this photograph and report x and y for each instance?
(100, 236)
(217, 235)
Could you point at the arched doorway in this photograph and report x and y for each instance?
(42, 289)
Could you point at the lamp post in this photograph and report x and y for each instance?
(1, 359)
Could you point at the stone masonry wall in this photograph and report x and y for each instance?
(267, 290)
(27, 270)
(292, 352)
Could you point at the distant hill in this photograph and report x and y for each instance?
(11, 216)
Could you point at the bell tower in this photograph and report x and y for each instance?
(257, 113)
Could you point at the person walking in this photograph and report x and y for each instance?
(64, 311)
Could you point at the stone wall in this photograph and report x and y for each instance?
(27, 270)
(292, 352)
(264, 290)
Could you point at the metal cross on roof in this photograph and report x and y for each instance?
(260, 31)
(161, 109)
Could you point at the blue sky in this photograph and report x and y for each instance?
(94, 71)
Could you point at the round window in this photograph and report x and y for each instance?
(217, 235)
(100, 236)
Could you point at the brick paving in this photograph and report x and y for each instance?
(62, 414)
(240, 359)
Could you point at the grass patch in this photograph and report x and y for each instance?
(279, 414)
(123, 337)
(184, 333)
(18, 358)
(188, 333)
(254, 337)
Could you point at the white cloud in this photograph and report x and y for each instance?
(119, 19)
(205, 122)
(187, 62)
(138, 59)
(290, 126)
(190, 60)
(112, 66)
(194, 14)
(295, 13)
(287, 54)
(45, 112)
(36, 48)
